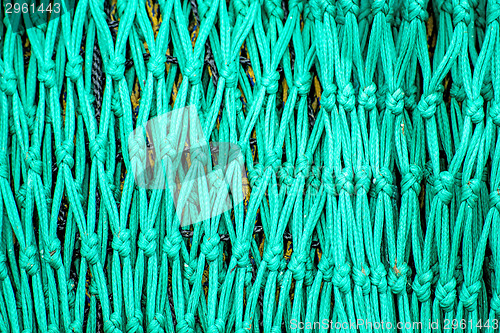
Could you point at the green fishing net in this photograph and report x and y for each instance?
(249, 166)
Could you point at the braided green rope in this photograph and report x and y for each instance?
(236, 166)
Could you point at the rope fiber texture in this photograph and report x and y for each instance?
(371, 175)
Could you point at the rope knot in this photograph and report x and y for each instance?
(495, 304)
(241, 7)
(303, 84)
(315, 179)
(341, 277)
(28, 260)
(230, 74)
(210, 247)
(492, 13)
(21, 195)
(469, 294)
(270, 82)
(297, 5)
(428, 105)
(90, 248)
(304, 165)
(241, 252)
(328, 182)
(246, 327)
(97, 148)
(8, 82)
(412, 179)
(398, 277)
(116, 68)
(475, 109)
(53, 328)
(380, 6)
(167, 148)
(495, 113)
(147, 241)
(76, 326)
(350, 6)
(190, 270)
(445, 294)
(410, 98)
(186, 324)
(199, 154)
(461, 13)
(156, 65)
(217, 327)
(457, 92)
(30, 111)
(114, 324)
(416, 11)
(365, 12)
(216, 179)
(121, 243)
(344, 181)
(325, 266)
(64, 154)
(395, 102)
(285, 174)
(297, 265)
(362, 178)
(47, 74)
(361, 279)
(330, 7)
(384, 181)
(157, 324)
(134, 324)
(53, 255)
(422, 286)
(444, 186)
(310, 272)
(204, 7)
(495, 199)
(273, 8)
(367, 97)
(172, 245)
(74, 68)
(193, 71)
(137, 148)
(33, 160)
(328, 97)
(379, 278)
(315, 9)
(256, 174)
(273, 256)
(346, 98)
(272, 161)
(470, 192)
(429, 174)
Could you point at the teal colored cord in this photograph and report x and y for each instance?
(250, 166)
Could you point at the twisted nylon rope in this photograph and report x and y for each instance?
(370, 188)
